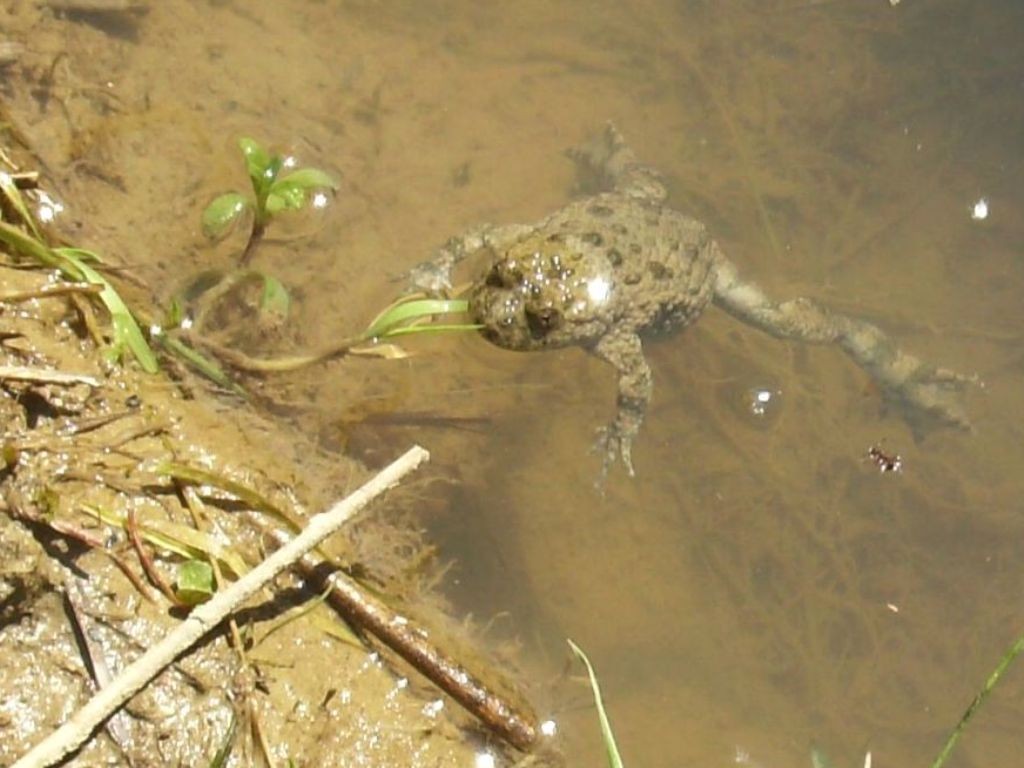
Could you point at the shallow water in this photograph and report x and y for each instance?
(759, 588)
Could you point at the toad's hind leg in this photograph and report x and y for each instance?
(607, 161)
(930, 396)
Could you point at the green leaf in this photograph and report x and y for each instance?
(306, 178)
(195, 583)
(181, 540)
(285, 199)
(30, 246)
(409, 330)
(201, 363)
(222, 213)
(290, 192)
(257, 159)
(257, 501)
(402, 312)
(175, 314)
(274, 299)
(74, 263)
(612, 750)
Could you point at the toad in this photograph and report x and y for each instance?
(607, 270)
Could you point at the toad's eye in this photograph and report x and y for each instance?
(543, 321)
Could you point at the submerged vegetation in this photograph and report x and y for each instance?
(611, 748)
(277, 186)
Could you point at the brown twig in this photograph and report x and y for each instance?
(156, 578)
(513, 722)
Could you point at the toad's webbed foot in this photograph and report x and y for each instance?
(432, 277)
(931, 396)
(607, 161)
(611, 445)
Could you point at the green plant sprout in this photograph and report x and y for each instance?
(195, 583)
(276, 188)
(611, 749)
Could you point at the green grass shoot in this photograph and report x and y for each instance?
(611, 749)
(408, 315)
(979, 699)
(74, 264)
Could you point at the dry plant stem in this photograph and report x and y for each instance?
(514, 723)
(44, 376)
(152, 572)
(258, 365)
(70, 736)
(197, 509)
(50, 290)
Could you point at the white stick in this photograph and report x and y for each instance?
(75, 731)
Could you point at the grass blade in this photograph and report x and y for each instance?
(179, 539)
(979, 699)
(614, 759)
(72, 263)
(251, 497)
(10, 190)
(126, 331)
(408, 310)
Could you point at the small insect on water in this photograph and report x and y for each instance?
(886, 462)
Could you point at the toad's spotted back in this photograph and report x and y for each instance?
(605, 270)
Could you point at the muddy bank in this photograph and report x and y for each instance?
(93, 534)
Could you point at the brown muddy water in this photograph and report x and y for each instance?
(759, 588)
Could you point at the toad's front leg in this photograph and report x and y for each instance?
(624, 350)
(434, 277)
